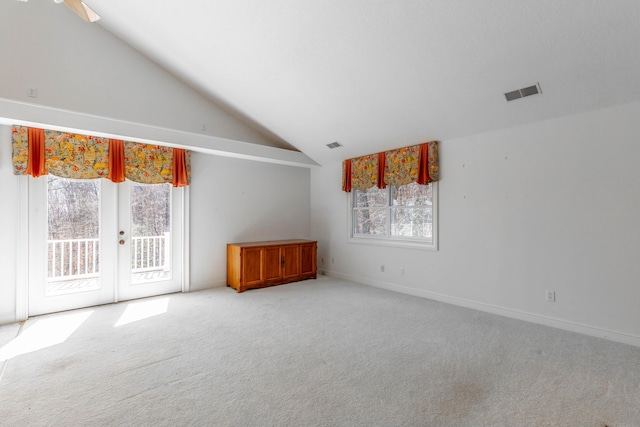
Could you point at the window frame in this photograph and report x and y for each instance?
(395, 241)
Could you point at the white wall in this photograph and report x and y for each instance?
(235, 200)
(231, 200)
(549, 206)
(81, 67)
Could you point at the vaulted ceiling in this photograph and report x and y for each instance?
(376, 74)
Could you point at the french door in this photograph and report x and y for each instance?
(94, 242)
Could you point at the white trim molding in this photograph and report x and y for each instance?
(186, 244)
(25, 114)
(22, 249)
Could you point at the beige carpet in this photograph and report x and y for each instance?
(314, 353)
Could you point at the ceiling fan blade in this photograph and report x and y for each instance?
(82, 10)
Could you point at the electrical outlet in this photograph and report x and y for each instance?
(551, 296)
(32, 92)
(402, 271)
(322, 260)
(382, 268)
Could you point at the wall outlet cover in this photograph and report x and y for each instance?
(551, 296)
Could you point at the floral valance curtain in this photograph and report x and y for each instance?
(419, 163)
(39, 152)
(364, 172)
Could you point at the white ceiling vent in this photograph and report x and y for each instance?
(521, 93)
(334, 145)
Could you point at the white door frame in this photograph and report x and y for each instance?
(22, 248)
(125, 289)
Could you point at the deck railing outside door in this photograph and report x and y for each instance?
(72, 259)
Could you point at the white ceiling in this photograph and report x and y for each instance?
(381, 74)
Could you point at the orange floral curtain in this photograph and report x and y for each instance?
(28, 150)
(382, 159)
(116, 161)
(428, 163)
(181, 168)
(401, 165)
(346, 175)
(364, 172)
(37, 152)
(75, 156)
(148, 164)
(419, 163)
(184, 180)
(19, 149)
(36, 164)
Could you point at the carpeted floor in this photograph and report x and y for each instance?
(314, 353)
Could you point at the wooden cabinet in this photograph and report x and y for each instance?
(260, 264)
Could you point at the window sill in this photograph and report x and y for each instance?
(396, 243)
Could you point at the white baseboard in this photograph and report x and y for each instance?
(6, 318)
(208, 285)
(553, 322)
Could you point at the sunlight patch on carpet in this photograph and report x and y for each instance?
(136, 311)
(44, 333)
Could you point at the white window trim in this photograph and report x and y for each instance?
(398, 242)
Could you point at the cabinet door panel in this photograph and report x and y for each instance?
(291, 261)
(308, 260)
(272, 259)
(252, 266)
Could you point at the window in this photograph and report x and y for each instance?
(400, 216)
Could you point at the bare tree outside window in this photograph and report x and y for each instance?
(73, 219)
(411, 211)
(150, 209)
(150, 231)
(73, 216)
(404, 212)
(73, 208)
(370, 216)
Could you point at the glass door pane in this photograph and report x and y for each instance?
(71, 263)
(93, 242)
(150, 232)
(150, 249)
(73, 235)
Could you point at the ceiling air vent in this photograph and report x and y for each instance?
(521, 93)
(334, 145)
(513, 95)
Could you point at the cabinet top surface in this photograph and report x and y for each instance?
(272, 243)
